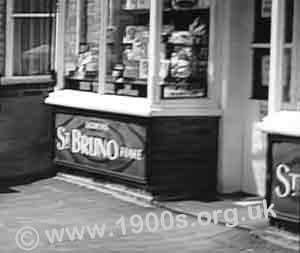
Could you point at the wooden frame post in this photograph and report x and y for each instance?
(276, 58)
(60, 47)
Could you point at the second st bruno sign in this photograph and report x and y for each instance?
(101, 144)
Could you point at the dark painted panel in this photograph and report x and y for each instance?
(25, 139)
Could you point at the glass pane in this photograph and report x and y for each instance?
(289, 18)
(286, 85)
(185, 49)
(82, 50)
(32, 46)
(261, 69)
(127, 47)
(34, 6)
(262, 26)
(288, 95)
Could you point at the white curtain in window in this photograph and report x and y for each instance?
(33, 37)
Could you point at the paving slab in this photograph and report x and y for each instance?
(54, 204)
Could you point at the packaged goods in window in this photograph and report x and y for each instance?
(85, 86)
(130, 4)
(164, 69)
(265, 68)
(181, 63)
(92, 64)
(181, 37)
(117, 72)
(266, 8)
(143, 4)
(189, 4)
(198, 31)
(140, 45)
(110, 34)
(184, 4)
(87, 61)
(132, 32)
(131, 70)
(143, 69)
(127, 90)
(70, 68)
(173, 92)
(167, 30)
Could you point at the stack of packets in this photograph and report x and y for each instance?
(189, 4)
(136, 4)
(182, 62)
(135, 55)
(174, 4)
(87, 62)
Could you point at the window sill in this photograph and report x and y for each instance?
(122, 105)
(282, 123)
(15, 80)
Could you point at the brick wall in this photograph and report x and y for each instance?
(2, 35)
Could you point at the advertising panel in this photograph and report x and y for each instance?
(101, 144)
(285, 186)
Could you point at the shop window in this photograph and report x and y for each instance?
(261, 49)
(127, 48)
(82, 63)
(30, 36)
(184, 49)
(183, 52)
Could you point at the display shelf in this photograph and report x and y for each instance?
(82, 83)
(81, 79)
(167, 10)
(187, 44)
(139, 82)
(178, 93)
(136, 11)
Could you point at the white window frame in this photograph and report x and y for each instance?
(198, 106)
(191, 105)
(9, 78)
(275, 102)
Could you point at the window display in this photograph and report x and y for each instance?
(184, 49)
(127, 47)
(82, 59)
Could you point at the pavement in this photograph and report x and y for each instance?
(60, 203)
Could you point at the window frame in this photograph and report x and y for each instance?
(278, 46)
(154, 96)
(9, 78)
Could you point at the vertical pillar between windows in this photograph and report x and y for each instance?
(60, 41)
(154, 49)
(79, 13)
(102, 46)
(9, 39)
(276, 58)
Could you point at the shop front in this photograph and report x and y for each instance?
(282, 124)
(168, 95)
(139, 101)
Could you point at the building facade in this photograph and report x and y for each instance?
(236, 66)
